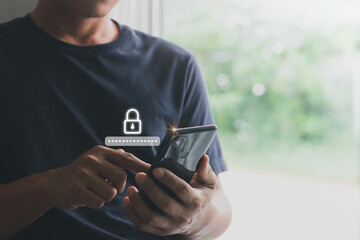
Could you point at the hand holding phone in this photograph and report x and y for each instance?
(180, 152)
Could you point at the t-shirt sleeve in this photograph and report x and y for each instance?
(196, 111)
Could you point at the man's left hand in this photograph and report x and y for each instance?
(177, 216)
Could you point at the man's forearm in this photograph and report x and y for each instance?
(213, 222)
(22, 202)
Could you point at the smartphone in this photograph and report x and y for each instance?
(180, 152)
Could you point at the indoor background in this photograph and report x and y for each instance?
(284, 85)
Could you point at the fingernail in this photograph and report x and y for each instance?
(159, 173)
(141, 179)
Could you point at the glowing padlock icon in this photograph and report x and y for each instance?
(132, 126)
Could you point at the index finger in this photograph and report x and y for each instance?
(126, 160)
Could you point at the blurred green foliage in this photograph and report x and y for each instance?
(242, 54)
(294, 106)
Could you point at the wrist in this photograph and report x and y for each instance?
(203, 223)
(44, 188)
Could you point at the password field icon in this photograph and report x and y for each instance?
(132, 141)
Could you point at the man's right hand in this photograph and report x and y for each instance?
(93, 178)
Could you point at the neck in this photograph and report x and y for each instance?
(74, 29)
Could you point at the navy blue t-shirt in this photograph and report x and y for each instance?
(58, 100)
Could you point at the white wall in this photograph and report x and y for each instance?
(10, 9)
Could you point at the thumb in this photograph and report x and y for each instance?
(205, 172)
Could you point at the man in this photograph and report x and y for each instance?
(67, 76)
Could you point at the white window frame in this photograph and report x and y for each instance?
(143, 15)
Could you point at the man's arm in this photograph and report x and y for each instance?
(202, 211)
(81, 183)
